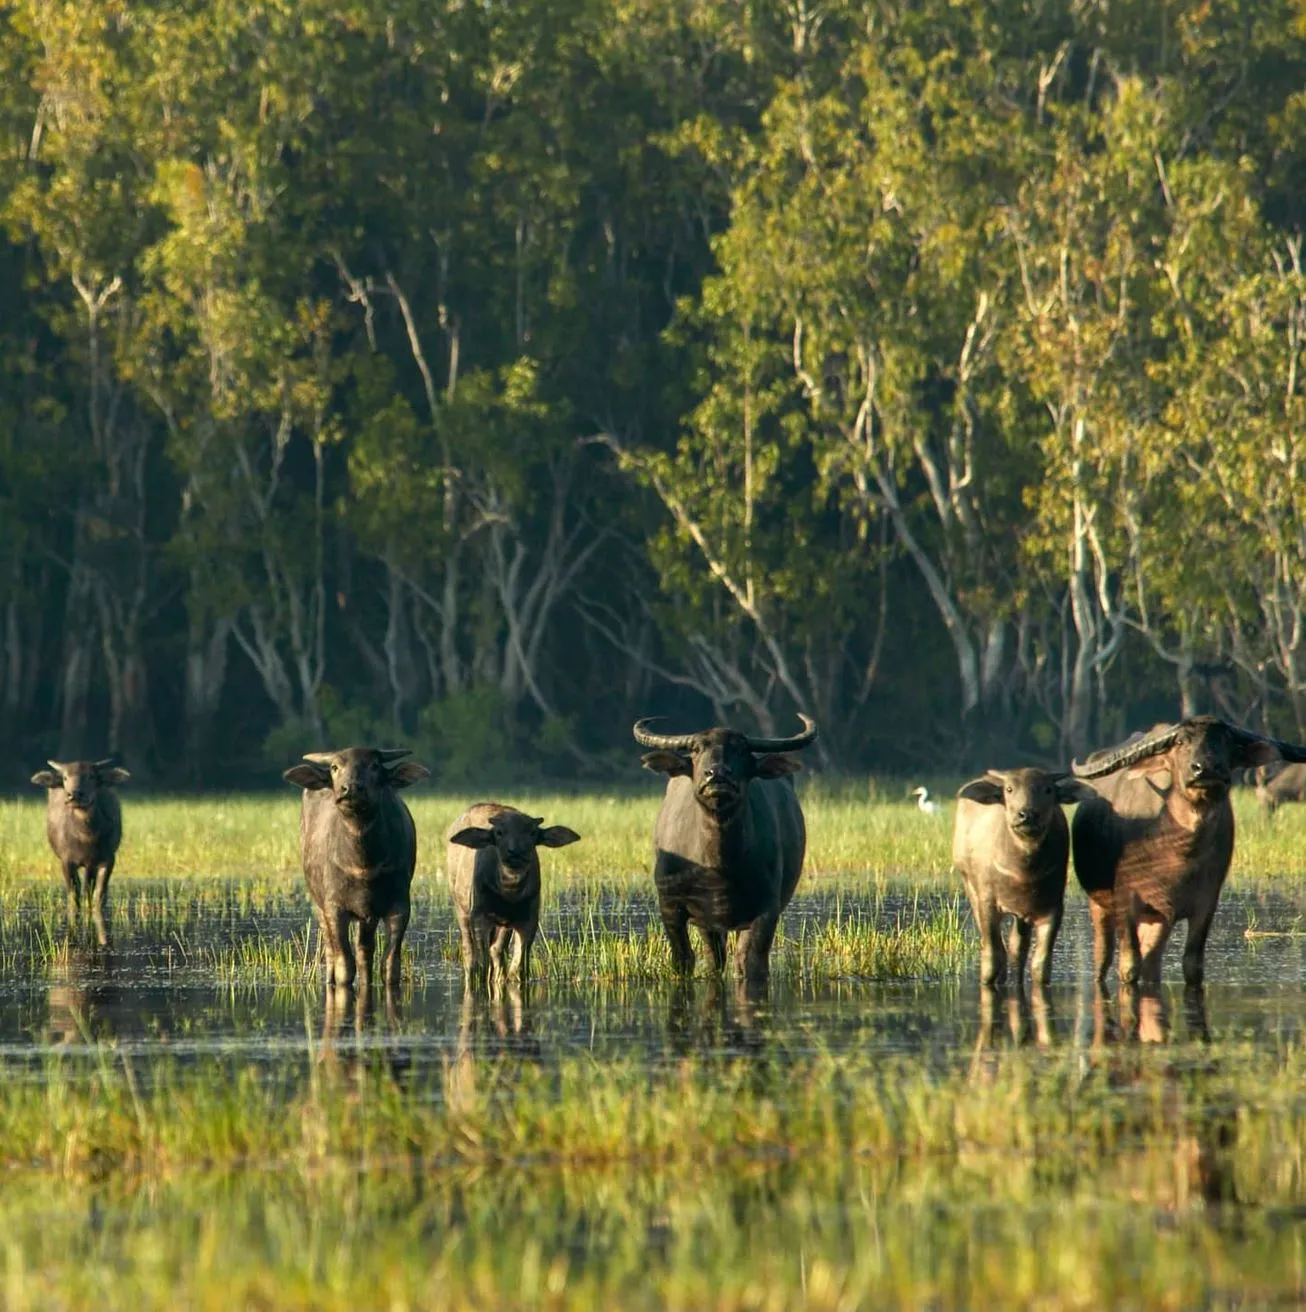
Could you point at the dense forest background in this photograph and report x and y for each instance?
(481, 376)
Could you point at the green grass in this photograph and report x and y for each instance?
(831, 1182)
(764, 1175)
(255, 839)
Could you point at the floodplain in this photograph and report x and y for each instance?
(189, 1118)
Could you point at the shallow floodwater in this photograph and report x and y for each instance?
(159, 992)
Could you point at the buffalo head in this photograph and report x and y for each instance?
(515, 836)
(356, 776)
(721, 762)
(1029, 797)
(81, 781)
(1200, 754)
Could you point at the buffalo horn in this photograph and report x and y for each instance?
(57, 765)
(803, 739)
(108, 760)
(1293, 752)
(1127, 754)
(393, 753)
(320, 758)
(673, 742)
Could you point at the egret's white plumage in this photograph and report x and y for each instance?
(924, 802)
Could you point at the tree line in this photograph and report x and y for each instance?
(484, 376)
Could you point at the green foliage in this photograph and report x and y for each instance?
(935, 370)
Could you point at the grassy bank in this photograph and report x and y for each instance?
(255, 838)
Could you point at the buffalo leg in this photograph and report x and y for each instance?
(1104, 937)
(716, 942)
(519, 968)
(993, 955)
(1199, 927)
(366, 953)
(1045, 939)
(72, 878)
(675, 920)
(1129, 948)
(753, 951)
(473, 950)
(498, 946)
(1018, 941)
(396, 926)
(1153, 935)
(102, 873)
(340, 953)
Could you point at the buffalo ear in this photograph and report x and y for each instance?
(405, 773)
(111, 776)
(308, 775)
(1070, 791)
(557, 836)
(1255, 752)
(672, 763)
(1149, 765)
(985, 791)
(47, 779)
(775, 767)
(473, 837)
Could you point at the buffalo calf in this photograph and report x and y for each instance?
(494, 876)
(1011, 845)
(358, 846)
(83, 821)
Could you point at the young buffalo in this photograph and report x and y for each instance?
(494, 875)
(358, 846)
(1010, 845)
(83, 821)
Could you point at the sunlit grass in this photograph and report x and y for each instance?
(829, 1182)
(255, 838)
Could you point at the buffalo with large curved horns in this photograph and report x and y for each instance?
(1154, 847)
(729, 840)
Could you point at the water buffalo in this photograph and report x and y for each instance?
(1011, 845)
(1152, 850)
(729, 840)
(83, 821)
(1276, 785)
(358, 846)
(494, 876)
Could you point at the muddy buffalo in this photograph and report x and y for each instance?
(494, 876)
(1154, 847)
(1011, 846)
(83, 821)
(358, 846)
(729, 840)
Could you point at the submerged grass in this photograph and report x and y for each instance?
(825, 1182)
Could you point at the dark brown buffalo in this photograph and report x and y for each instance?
(83, 821)
(1277, 784)
(1011, 845)
(494, 876)
(1154, 847)
(729, 840)
(358, 846)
